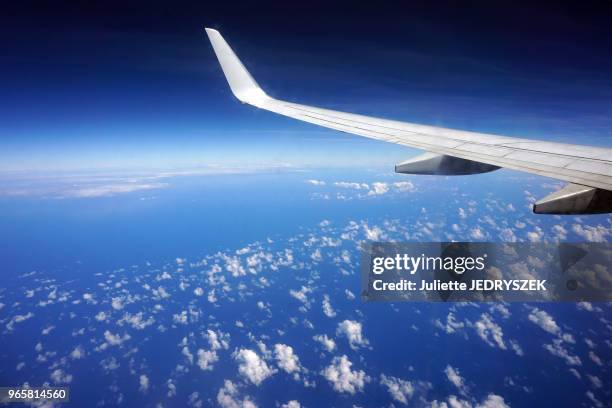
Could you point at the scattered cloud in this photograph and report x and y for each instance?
(206, 359)
(544, 321)
(115, 339)
(490, 331)
(252, 367)
(453, 375)
(328, 310)
(342, 378)
(327, 343)
(228, 397)
(352, 330)
(557, 348)
(318, 183)
(400, 390)
(286, 359)
(143, 380)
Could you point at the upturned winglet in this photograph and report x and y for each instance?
(240, 81)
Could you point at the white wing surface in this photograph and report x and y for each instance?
(451, 152)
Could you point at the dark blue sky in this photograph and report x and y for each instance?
(137, 85)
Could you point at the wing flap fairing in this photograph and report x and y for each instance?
(575, 199)
(440, 164)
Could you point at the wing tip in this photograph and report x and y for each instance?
(241, 82)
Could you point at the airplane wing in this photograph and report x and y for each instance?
(588, 170)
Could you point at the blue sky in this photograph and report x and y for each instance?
(133, 86)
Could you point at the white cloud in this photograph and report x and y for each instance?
(342, 378)
(180, 318)
(453, 375)
(454, 402)
(286, 358)
(198, 291)
(327, 307)
(560, 232)
(58, 376)
(318, 183)
(77, 353)
(404, 186)
(117, 303)
(544, 321)
(490, 331)
(187, 353)
(301, 294)
(352, 331)
(501, 309)
(160, 293)
(164, 276)
(217, 339)
(228, 397)
(194, 400)
(171, 388)
(535, 235)
(328, 344)
(373, 234)
(507, 235)
(109, 364)
(206, 359)
(330, 242)
(263, 306)
(478, 233)
(144, 383)
(252, 367)
(400, 390)
(115, 339)
(451, 325)
(595, 358)
(593, 399)
(109, 190)
(493, 401)
(351, 185)
(291, 404)
(595, 381)
(233, 266)
(136, 321)
(516, 347)
(101, 316)
(18, 319)
(597, 233)
(557, 349)
(378, 189)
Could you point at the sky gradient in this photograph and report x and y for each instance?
(138, 86)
